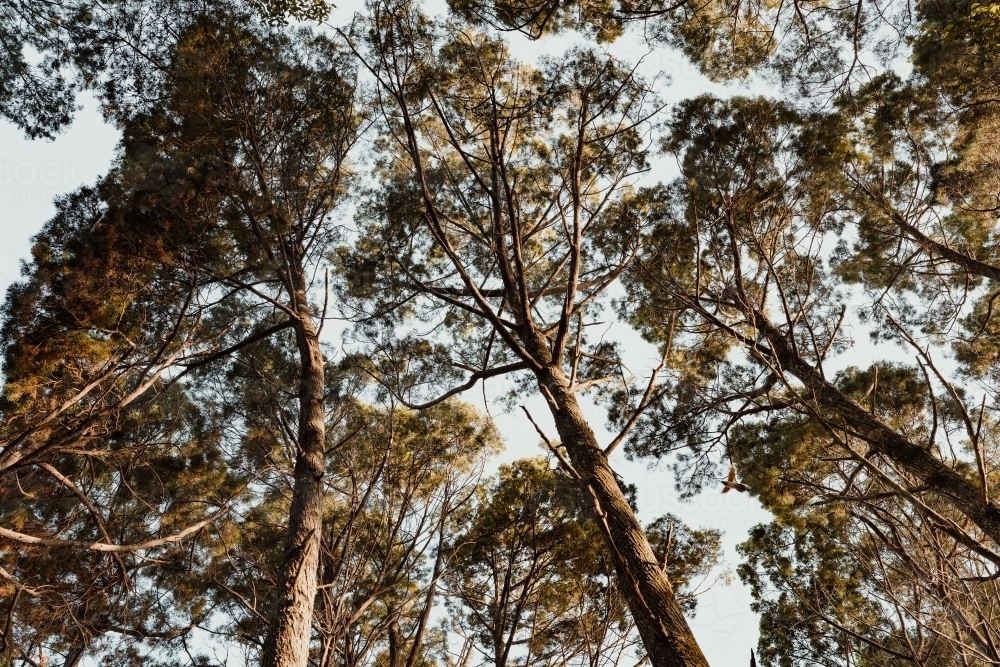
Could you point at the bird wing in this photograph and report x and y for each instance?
(732, 474)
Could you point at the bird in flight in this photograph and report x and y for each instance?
(731, 483)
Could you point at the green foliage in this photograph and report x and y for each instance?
(141, 360)
(529, 580)
(396, 269)
(302, 10)
(39, 96)
(120, 339)
(689, 554)
(535, 18)
(398, 481)
(528, 571)
(725, 39)
(827, 578)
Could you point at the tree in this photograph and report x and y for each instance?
(529, 581)
(36, 96)
(51, 51)
(505, 210)
(922, 202)
(396, 482)
(399, 500)
(526, 579)
(280, 111)
(79, 570)
(105, 463)
(762, 219)
(851, 571)
(819, 49)
(760, 197)
(229, 189)
(883, 477)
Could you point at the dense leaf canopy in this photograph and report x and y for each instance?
(230, 414)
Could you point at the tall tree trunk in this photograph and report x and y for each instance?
(75, 656)
(395, 644)
(661, 623)
(917, 460)
(287, 643)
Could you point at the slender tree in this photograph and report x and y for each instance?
(228, 189)
(279, 110)
(397, 481)
(505, 211)
(529, 581)
(521, 567)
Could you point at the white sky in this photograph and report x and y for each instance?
(32, 173)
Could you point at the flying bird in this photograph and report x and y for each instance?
(731, 483)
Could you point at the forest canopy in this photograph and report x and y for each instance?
(238, 418)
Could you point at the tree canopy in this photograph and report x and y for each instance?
(233, 368)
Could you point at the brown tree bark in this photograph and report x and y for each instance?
(664, 630)
(916, 460)
(287, 643)
(665, 633)
(75, 656)
(395, 644)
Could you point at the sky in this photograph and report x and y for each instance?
(33, 173)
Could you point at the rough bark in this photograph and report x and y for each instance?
(932, 247)
(664, 630)
(75, 656)
(287, 643)
(916, 460)
(662, 626)
(395, 644)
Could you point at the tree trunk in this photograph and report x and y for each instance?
(287, 642)
(75, 656)
(395, 644)
(917, 460)
(661, 623)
